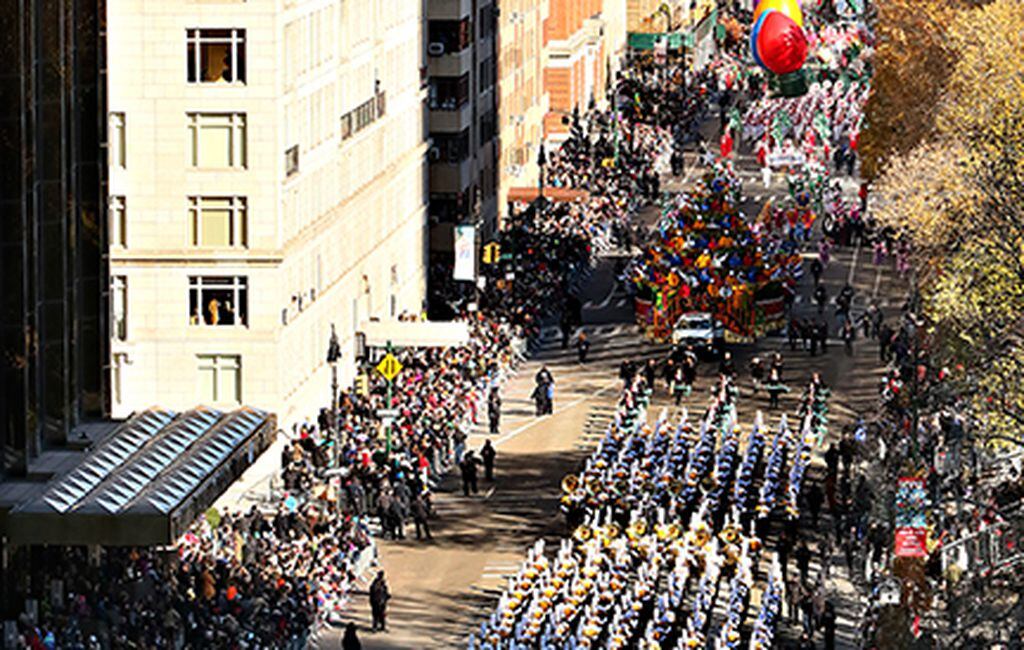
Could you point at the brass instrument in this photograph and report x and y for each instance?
(636, 530)
(611, 532)
(570, 483)
(583, 533)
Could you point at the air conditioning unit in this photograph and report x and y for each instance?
(435, 49)
(434, 154)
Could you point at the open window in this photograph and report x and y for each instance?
(216, 55)
(218, 301)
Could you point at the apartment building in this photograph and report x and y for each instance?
(462, 69)
(576, 66)
(523, 101)
(267, 181)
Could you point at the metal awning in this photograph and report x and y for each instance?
(415, 334)
(147, 481)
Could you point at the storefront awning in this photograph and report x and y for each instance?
(415, 334)
(557, 194)
(148, 481)
(646, 41)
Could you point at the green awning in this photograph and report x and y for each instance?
(644, 41)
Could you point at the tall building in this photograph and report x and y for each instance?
(523, 101)
(576, 68)
(267, 181)
(53, 344)
(462, 67)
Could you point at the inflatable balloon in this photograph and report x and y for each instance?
(781, 43)
(789, 8)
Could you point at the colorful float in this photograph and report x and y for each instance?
(709, 257)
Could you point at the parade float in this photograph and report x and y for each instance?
(708, 257)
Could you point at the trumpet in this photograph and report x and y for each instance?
(583, 533)
(611, 532)
(667, 531)
(570, 483)
(636, 530)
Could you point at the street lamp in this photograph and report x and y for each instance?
(333, 356)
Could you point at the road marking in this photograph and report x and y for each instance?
(515, 432)
(853, 264)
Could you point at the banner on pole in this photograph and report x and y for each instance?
(465, 253)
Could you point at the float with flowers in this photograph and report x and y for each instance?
(708, 257)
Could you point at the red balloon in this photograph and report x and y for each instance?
(781, 43)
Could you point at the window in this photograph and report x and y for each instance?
(452, 147)
(119, 307)
(117, 368)
(216, 55)
(487, 72)
(486, 23)
(448, 93)
(487, 126)
(118, 224)
(216, 140)
(346, 125)
(218, 221)
(220, 378)
(451, 35)
(118, 143)
(291, 160)
(218, 301)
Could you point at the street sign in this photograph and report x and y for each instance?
(389, 367)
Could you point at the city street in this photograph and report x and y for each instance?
(443, 588)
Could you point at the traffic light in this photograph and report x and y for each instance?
(363, 384)
(492, 253)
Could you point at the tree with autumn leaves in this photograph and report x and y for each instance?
(945, 146)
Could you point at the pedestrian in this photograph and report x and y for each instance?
(756, 373)
(565, 325)
(822, 331)
(582, 347)
(488, 454)
(351, 640)
(420, 514)
(803, 560)
(726, 366)
(379, 597)
(494, 410)
(650, 373)
(816, 270)
(815, 497)
(775, 388)
(469, 473)
(794, 594)
(821, 298)
(828, 623)
(459, 439)
(848, 334)
(847, 449)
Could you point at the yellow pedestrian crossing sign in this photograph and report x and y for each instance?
(389, 367)
(492, 253)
